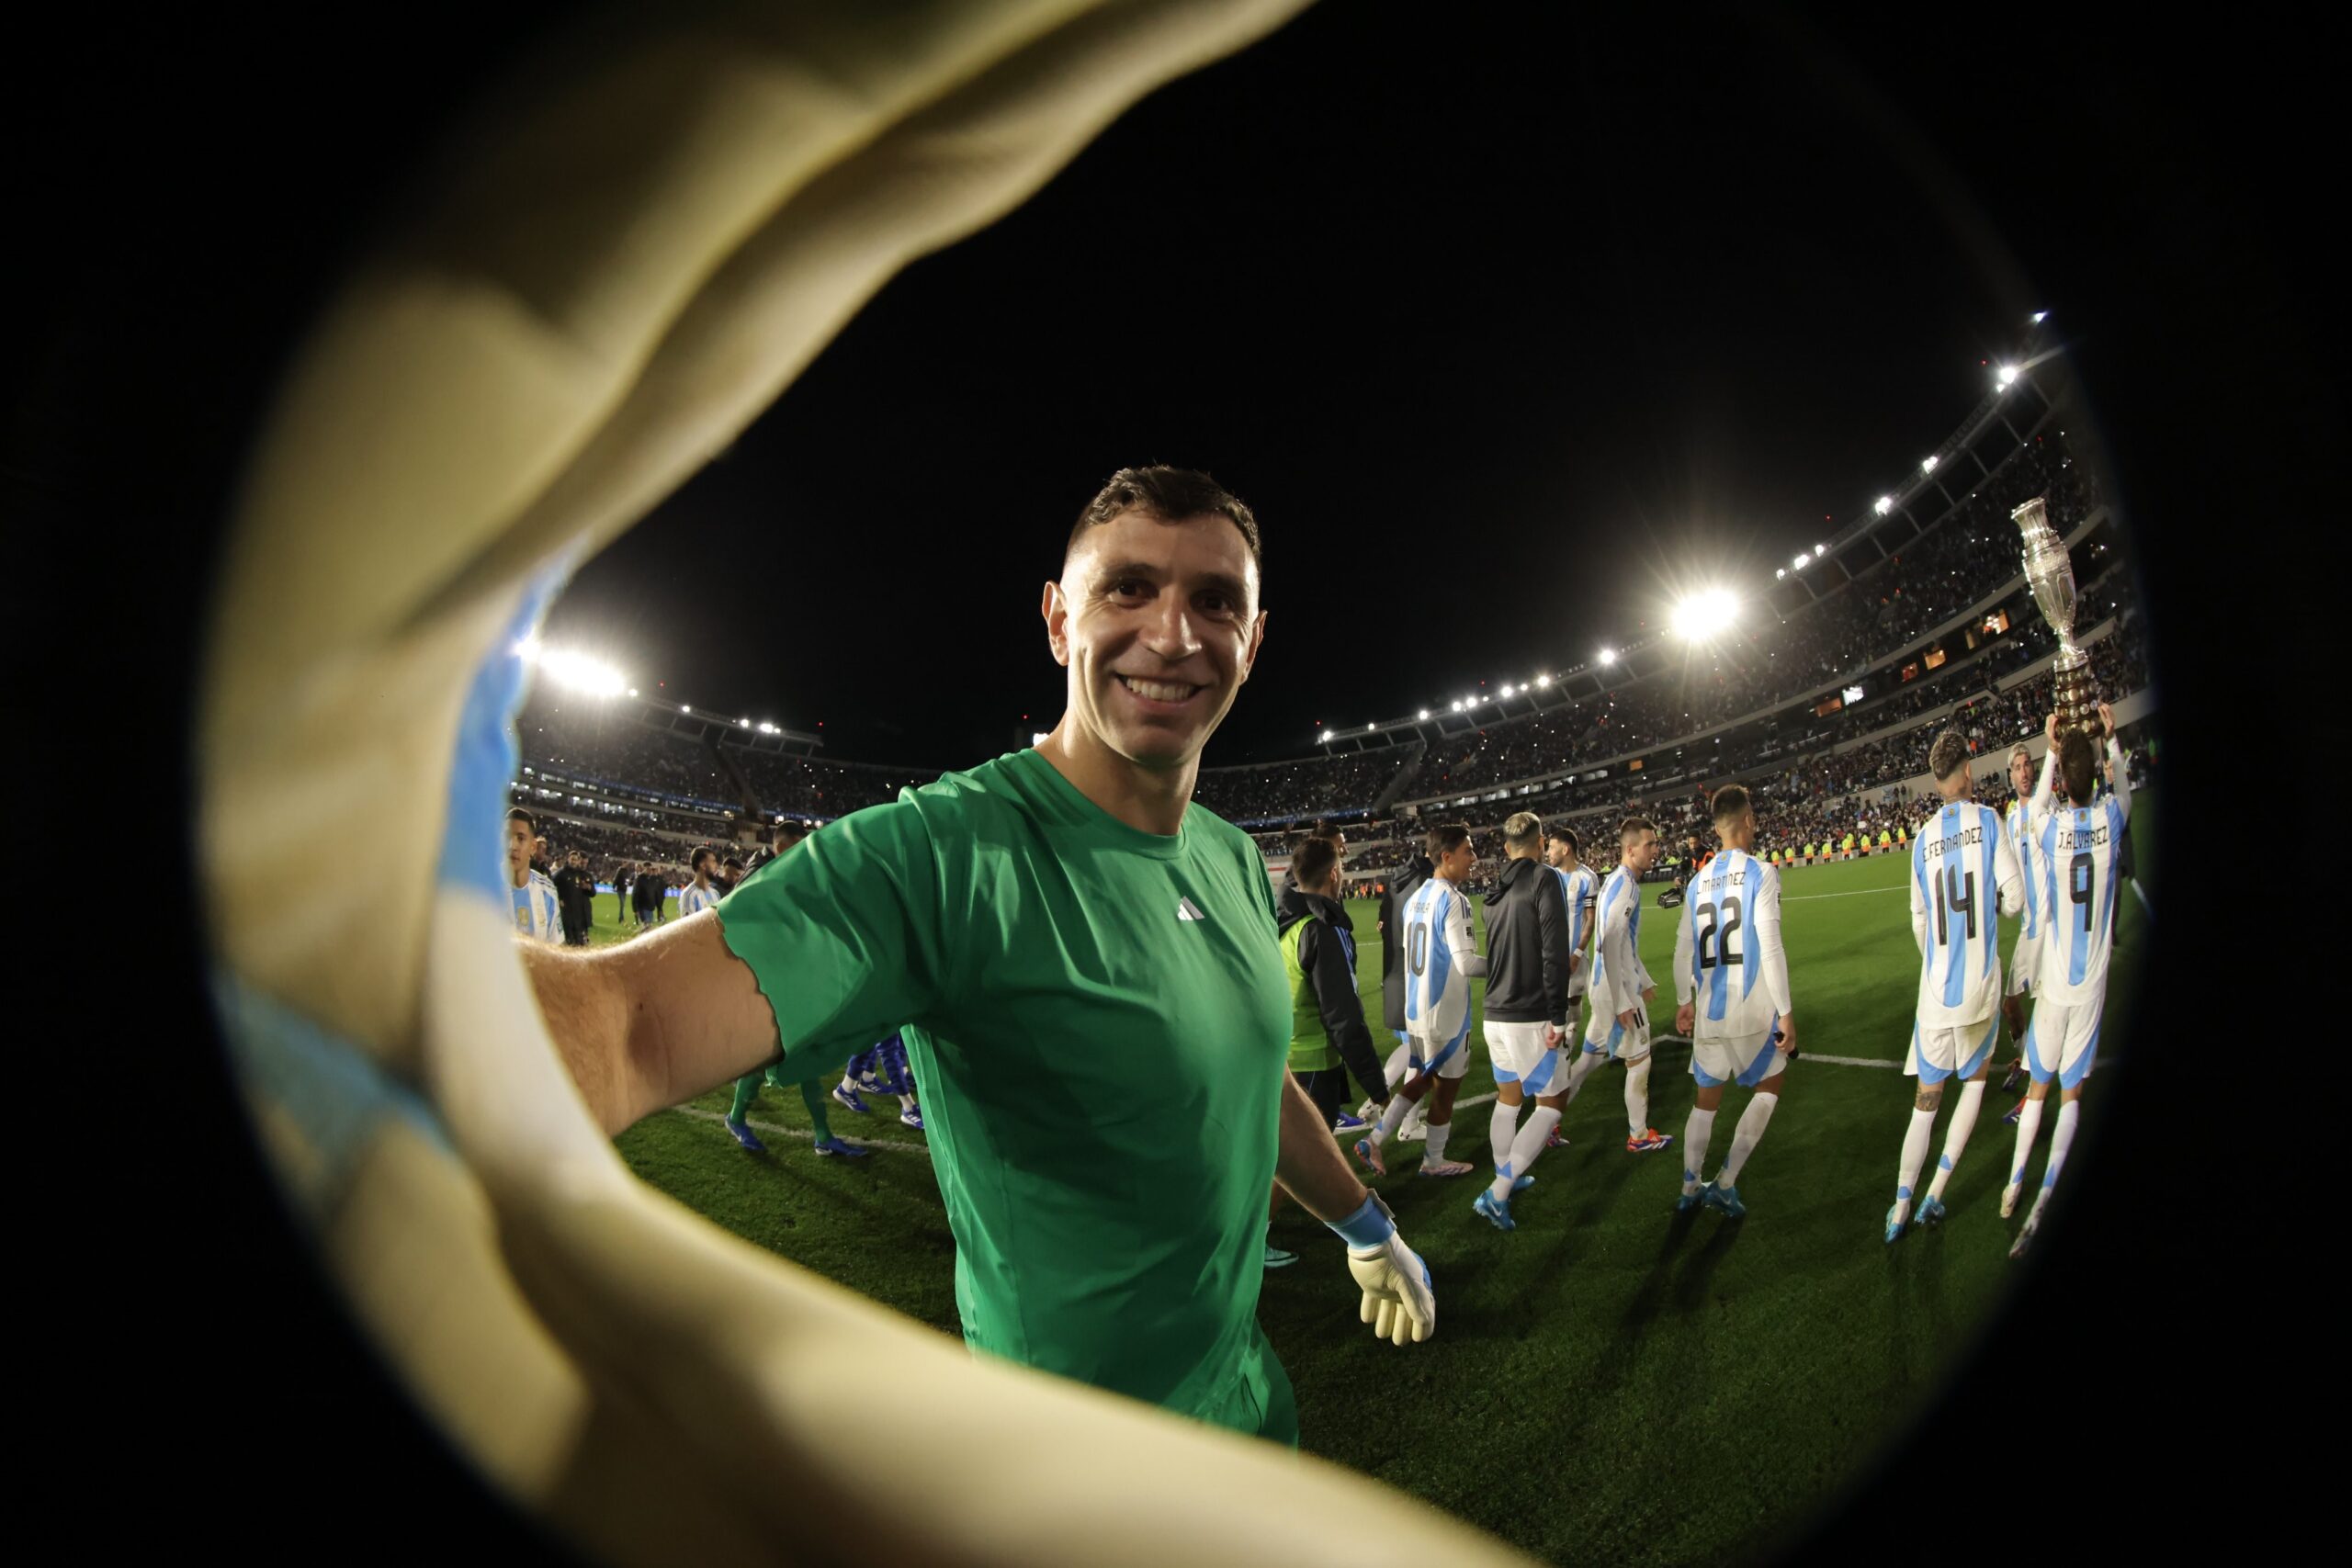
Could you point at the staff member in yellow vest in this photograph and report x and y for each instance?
(1328, 1037)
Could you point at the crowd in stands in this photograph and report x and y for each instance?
(814, 787)
(1950, 570)
(1307, 786)
(609, 745)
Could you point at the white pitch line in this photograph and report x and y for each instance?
(784, 1132)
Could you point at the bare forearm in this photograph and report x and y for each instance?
(1308, 1162)
(586, 1012)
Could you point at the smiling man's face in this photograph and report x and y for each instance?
(1157, 624)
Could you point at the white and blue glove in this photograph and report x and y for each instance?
(1398, 1300)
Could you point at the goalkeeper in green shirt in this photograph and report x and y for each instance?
(1087, 969)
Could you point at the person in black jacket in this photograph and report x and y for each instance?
(1327, 1015)
(1527, 1009)
(575, 891)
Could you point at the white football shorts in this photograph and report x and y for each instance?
(1938, 1052)
(1743, 1059)
(1452, 1057)
(1520, 1056)
(1609, 1035)
(2062, 1041)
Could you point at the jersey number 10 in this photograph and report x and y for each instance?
(1417, 947)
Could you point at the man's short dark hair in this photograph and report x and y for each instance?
(1949, 754)
(794, 831)
(1567, 835)
(702, 854)
(1444, 841)
(1172, 495)
(1313, 862)
(2078, 766)
(516, 814)
(1727, 804)
(1632, 825)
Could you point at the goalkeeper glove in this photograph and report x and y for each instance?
(1398, 1300)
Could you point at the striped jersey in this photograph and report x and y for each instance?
(697, 899)
(537, 912)
(1441, 959)
(1618, 977)
(1580, 890)
(2014, 822)
(1727, 955)
(2078, 849)
(1963, 866)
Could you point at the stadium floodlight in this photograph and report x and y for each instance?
(1927, 464)
(2009, 372)
(685, 707)
(1885, 504)
(1801, 560)
(744, 722)
(2037, 316)
(1608, 656)
(1542, 680)
(1820, 550)
(1369, 727)
(1780, 572)
(1702, 616)
(632, 691)
(1425, 713)
(1509, 690)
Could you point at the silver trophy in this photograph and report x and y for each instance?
(2051, 574)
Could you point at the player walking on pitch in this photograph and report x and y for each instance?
(1059, 915)
(1527, 1011)
(1961, 862)
(1579, 893)
(1441, 959)
(1622, 988)
(1731, 975)
(2078, 845)
(2029, 944)
(539, 909)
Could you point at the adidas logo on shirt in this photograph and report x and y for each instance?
(1187, 910)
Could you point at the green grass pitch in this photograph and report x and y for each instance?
(1610, 1382)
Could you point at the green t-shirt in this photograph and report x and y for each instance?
(1099, 1020)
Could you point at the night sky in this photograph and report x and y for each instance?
(1501, 343)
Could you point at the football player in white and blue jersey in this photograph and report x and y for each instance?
(1580, 891)
(1731, 975)
(2077, 844)
(538, 912)
(1962, 866)
(2029, 942)
(1622, 988)
(1441, 959)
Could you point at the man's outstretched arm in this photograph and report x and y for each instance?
(1398, 1300)
(655, 1022)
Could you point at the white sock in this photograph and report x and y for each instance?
(2061, 1136)
(1695, 1133)
(2028, 1124)
(1501, 1128)
(1963, 1122)
(906, 1102)
(1587, 1064)
(1439, 1133)
(1524, 1150)
(1391, 1116)
(1747, 1136)
(1914, 1155)
(1399, 1060)
(1637, 1097)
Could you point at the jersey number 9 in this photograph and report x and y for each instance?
(2079, 878)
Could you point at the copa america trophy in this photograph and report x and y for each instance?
(2050, 572)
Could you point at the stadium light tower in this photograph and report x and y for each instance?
(1702, 616)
